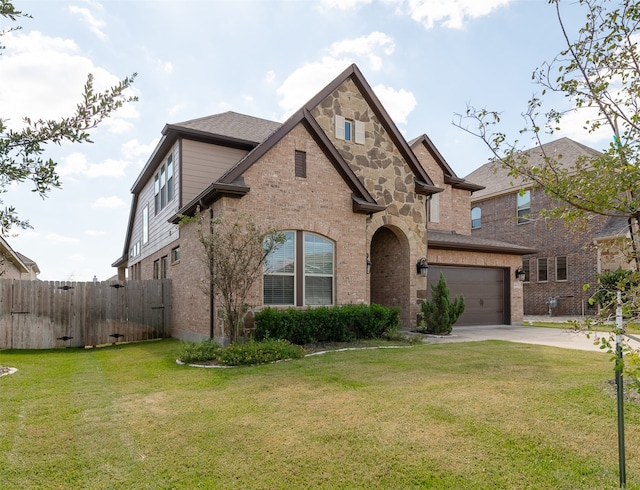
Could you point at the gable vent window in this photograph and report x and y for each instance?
(301, 164)
(349, 130)
(163, 184)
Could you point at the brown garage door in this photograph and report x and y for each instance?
(483, 290)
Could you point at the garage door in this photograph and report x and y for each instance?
(483, 290)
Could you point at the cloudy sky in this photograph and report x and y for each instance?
(425, 59)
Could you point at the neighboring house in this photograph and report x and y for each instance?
(337, 176)
(14, 265)
(481, 270)
(508, 209)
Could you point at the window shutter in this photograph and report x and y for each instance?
(301, 164)
(339, 127)
(359, 132)
(434, 208)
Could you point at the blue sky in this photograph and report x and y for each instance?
(425, 59)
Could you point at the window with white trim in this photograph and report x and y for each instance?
(300, 272)
(145, 225)
(163, 184)
(476, 217)
(349, 130)
(542, 270)
(561, 269)
(524, 206)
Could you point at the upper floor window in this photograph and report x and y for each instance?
(349, 130)
(524, 206)
(476, 217)
(300, 272)
(163, 185)
(561, 269)
(542, 270)
(434, 208)
(145, 225)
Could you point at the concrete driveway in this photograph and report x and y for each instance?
(554, 337)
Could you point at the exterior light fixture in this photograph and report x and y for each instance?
(368, 264)
(422, 267)
(521, 275)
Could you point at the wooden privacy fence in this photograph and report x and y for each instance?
(46, 314)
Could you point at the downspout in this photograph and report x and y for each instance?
(211, 288)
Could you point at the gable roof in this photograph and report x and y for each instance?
(229, 129)
(450, 176)
(497, 181)
(362, 199)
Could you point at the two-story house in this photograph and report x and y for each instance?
(336, 176)
(480, 269)
(508, 209)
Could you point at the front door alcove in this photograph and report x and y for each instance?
(390, 269)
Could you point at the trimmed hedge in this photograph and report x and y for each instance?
(326, 324)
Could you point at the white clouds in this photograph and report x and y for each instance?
(365, 47)
(94, 24)
(112, 202)
(76, 164)
(343, 4)
(451, 13)
(398, 103)
(270, 76)
(133, 149)
(43, 77)
(308, 80)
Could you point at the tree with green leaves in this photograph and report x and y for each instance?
(234, 256)
(22, 150)
(598, 72)
(440, 314)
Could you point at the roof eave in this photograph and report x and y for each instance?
(207, 197)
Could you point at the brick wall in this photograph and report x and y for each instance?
(553, 238)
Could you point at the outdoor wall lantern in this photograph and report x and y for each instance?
(521, 275)
(422, 267)
(368, 265)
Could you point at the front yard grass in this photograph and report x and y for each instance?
(450, 416)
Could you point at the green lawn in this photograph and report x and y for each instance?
(455, 416)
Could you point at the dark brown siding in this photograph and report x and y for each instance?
(483, 290)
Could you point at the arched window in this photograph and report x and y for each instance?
(300, 272)
(476, 217)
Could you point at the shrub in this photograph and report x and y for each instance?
(202, 351)
(327, 324)
(609, 283)
(440, 314)
(253, 352)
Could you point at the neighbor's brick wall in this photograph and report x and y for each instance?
(554, 239)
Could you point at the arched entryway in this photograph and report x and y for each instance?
(390, 271)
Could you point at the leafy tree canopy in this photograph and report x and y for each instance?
(22, 150)
(598, 73)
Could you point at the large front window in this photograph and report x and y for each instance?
(300, 272)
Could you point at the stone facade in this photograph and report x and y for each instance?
(390, 180)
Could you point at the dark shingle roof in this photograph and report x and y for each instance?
(615, 226)
(496, 179)
(454, 241)
(232, 125)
